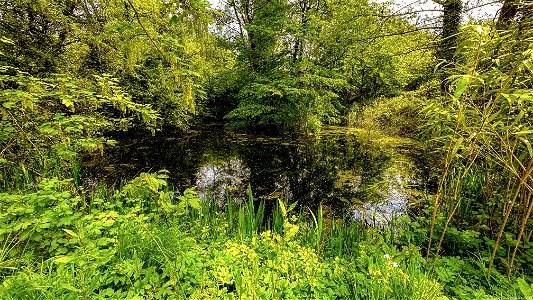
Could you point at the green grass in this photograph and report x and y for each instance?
(133, 243)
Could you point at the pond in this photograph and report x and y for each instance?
(351, 172)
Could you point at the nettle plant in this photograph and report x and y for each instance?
(51, 221)
(46, 122)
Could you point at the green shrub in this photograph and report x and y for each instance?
(398, 116)
(47, 122)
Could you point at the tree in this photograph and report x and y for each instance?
(305, 61)
(160, 51)
(507, 13)
(451, 21)
(40, 32)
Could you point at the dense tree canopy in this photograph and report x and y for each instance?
(75, 73)
(305, 63)
(160, 51)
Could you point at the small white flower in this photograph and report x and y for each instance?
(526, 141)
(395, 264)
(387, 256)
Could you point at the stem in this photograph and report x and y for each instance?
(506, 217)
(522, 229)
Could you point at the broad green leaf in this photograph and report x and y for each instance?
(529, 148)
(174, 19)
(70, 287)
(111, 142)
(292, 206)
(6, 40)
(48, 129)
(8, 105)
(460, 87)
(68, 103)
(525, 288)
(195, 203)
(282, 208)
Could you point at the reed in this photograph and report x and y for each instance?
(483, 131)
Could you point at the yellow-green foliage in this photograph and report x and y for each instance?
(46, 122)
(145, 242)
(163, 59)
(129, 245)
(395, 116)
(483, 130)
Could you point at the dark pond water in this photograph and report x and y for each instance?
(340, 168)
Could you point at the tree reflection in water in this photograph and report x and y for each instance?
(335, 168)
(213, 180)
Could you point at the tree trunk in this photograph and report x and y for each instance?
(450, 29)
(507, 14)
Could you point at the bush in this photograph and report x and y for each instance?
(399, 116)
(47, 122)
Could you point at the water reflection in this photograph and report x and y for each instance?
(334, 168)
(393, 203)
(214, 179)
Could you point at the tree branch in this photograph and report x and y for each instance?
(136, 13)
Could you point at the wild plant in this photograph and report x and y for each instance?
(484, 130)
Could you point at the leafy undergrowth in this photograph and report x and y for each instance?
(145, 242)
(396, 116)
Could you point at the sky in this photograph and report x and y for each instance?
(428, 13)
(473, 9)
